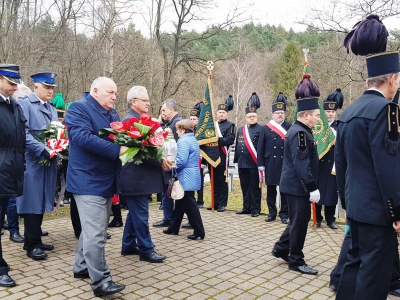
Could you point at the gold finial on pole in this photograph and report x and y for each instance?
(210, 67)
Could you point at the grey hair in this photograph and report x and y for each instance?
(134, 93)
(301, 114)
(170, 103)
(97, 83)
(22, 91)
(377, 81)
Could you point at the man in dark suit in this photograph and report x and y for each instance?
(326, 171)
(246, 158)
(148, 179)
(299, 184)
(91, 177)
(226, 131)
(270, 157)
(367, 163)
(12, 151)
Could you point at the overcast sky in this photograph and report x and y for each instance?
(287, 13)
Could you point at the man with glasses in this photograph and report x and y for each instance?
(246, 157)
(135, 189)
(270, 157)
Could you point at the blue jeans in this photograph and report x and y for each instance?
(168, 207)
(12, 216)
(136, 230)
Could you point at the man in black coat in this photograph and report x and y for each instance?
(299, 184)
(226, 131)
(169, 113)
(246, 158)
(137, 183)
(270, 159)
(326, 172)
(12, 151)
(367, 159)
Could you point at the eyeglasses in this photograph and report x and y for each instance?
(143, 100)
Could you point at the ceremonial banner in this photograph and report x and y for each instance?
(323, 134)
(206, 133)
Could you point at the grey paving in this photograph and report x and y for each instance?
(232, 262)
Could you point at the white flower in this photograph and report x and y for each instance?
(56, 124)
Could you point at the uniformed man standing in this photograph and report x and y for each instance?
(326, 171)
(246, 159)
(299, 184)
(270, 157)
(12, 150)
(40, 180)
(367, 159)
(226, 131)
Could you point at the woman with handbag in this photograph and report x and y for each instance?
(187, 168)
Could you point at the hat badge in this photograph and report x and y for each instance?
(331, 105)
(279, 105)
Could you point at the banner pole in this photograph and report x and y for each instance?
(212, 187)
(314, 212)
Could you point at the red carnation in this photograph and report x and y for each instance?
(164, 134)
(111, 136)
(145, 143)
(146, 119)
(154, 127)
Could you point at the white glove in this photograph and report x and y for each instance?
(315, 196)
(262, 168)
(236, 166)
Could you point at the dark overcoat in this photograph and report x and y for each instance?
(270, 153)
(12, 148)
(367, 160)
(300, 162)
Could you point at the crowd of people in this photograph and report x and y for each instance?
(277, 154)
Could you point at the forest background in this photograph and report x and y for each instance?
(81, 40)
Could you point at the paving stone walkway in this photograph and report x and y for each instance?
(232, 262)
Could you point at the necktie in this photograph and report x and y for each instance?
(46, 105)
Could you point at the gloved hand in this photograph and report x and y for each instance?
(261, 168)
(315, 196)
(236, 166)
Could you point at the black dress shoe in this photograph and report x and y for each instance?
(2, 233)
(5, 225)
(221, 209)
(16, 238)
(318, 223)
(108, 236)
(199, 206)
(304, 269)
(255, 214)
(242, 212)
(269, 219)
(194, 236)
(108, 288)
(285, 221)
(82, 274)
(161, 223)
(285, 256)
(45, 233)
(160, 207)
(66, 201)
(168, 231)
(6, 281)
(153, 257)
(210, 208)
(116, 223)
(47, 247)
(135, 251)
(332, 225)
(394, 292)
(36, 254)
(334, 287)
(187, 226)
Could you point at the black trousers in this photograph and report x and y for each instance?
(271, 203)
(200, 191)
(3, 209)
(329, 213)
(187, 205)
(292, 239)
(33, 231)
(250, 184)
(337, 271)
(368, 269)
(74, 213)
(220, 186)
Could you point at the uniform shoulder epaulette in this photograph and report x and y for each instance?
(392, 142)
(302, 140)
